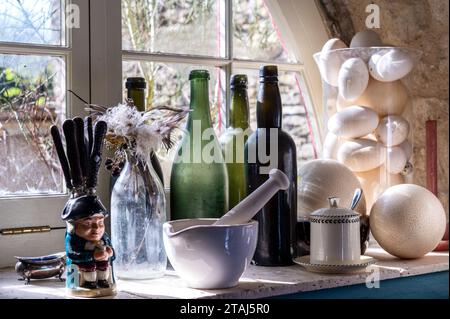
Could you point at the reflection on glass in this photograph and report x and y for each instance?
(168, 85)
(296, 119)
(255, 34)
(174, 26)
(32, 21)
(32, 98)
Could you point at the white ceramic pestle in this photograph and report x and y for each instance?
(247, 208)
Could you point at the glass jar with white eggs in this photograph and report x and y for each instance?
(367, 115)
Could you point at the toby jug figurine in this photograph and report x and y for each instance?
(88, 248)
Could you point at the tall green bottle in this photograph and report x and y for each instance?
(277, 219)
(136, 91)
(234, 138)
(199, 182)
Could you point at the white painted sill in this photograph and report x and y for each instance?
(257, 282)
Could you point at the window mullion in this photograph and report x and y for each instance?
(228, 69)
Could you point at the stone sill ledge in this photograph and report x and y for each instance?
(257, 282)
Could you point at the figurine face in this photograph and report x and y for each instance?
(90, 228)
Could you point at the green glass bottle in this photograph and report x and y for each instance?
(136, 92)
(277, 219)
(234, 138)
(199, 182)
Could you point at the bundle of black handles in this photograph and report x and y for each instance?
(81, 162)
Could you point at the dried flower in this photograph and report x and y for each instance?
(139, 132)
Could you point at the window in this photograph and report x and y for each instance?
(40, 58)
(162, 41)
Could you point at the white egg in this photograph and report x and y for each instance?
(376, 181)
(385, 98)
(330, 63)
(407, 147)
(395, 160)
(361, 154)
(366, 38)
(407, 221)
(392, 130)
(353, 78)
(390, 66)
(331, 145)
(373, 66)
(353, 121)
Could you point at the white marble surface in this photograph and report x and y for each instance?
(257, 282)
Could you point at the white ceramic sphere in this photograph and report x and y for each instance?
(392, 130)
(407, 147)
(376, 181)
(354, 121)
(331, 146)
(385, 98)
(361, 154)
(323, 178)
(395, 160)
(408, 221)
(366, 38)
(329, 64)
(353, 78)
(390, 66)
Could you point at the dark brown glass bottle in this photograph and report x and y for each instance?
(277, 220)
(136, 92)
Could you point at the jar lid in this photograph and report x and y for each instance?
(334, 213)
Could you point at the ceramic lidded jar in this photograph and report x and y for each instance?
(335, 236)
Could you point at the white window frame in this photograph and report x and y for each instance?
(94, 70)
(45, 210)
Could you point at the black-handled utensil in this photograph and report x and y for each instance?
(90, 134)
(61, 155)
(96, 155)
(79, 130)
(72, 153)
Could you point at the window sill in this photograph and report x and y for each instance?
(257, 282)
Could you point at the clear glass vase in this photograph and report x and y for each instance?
(138, 211)
(367, 114)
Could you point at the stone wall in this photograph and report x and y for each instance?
(420, 24)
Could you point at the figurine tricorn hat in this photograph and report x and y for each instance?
(81, 164)
(83, 206)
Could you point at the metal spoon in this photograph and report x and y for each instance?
(356, 197)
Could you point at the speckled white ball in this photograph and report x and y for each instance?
(323, 178)
(408, 221)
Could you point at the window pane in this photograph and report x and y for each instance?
(31, 100)
(297, 121)
(32, 21)
(168, 85)
(174, 26)
(255, 34)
